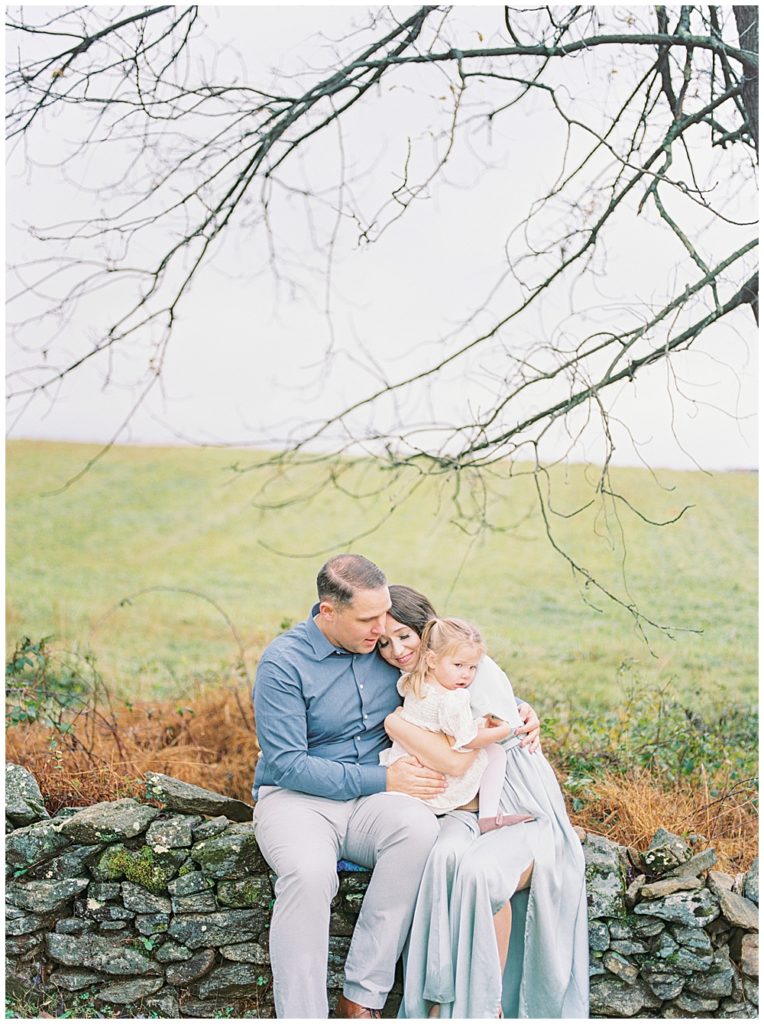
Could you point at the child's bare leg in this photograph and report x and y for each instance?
(434, 1011)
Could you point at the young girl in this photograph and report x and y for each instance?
(459, 964)
(435, 698)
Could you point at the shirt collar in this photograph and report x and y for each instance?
(322, 645)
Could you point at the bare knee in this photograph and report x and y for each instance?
(525, 877)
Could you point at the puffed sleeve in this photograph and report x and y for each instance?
(456, 718)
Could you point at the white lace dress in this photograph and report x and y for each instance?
(447, 711)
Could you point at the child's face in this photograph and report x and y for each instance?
(457, 668)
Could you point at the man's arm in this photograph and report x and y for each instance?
(282, 731)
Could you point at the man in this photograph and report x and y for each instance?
(321, 697)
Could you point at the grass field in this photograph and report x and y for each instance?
(178, 518)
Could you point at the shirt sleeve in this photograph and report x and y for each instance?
(456, 719)
(282, 731)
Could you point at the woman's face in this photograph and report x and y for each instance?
(399, 645)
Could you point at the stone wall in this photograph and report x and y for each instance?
(147, 910)
(669, 936)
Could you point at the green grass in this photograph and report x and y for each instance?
(175, 517)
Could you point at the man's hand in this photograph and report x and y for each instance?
(407, 775)
(530, 730)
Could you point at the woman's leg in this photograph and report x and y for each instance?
(488, 874)
(502, 919)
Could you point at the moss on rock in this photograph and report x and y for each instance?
(142, 867)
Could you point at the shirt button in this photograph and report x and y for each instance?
(365, 717)
(360, 686)
(358, 737)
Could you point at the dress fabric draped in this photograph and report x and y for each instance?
(451, 956)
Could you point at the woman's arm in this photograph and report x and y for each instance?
(431, 748)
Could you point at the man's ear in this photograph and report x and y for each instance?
(327, 609)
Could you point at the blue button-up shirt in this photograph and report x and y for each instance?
(320, 715)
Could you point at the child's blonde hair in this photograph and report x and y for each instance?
(441, 636)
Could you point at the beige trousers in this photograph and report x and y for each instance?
(302, 837)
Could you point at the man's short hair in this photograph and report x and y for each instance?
(343, 575)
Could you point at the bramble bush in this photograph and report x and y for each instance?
(37, 690)
(653, 731)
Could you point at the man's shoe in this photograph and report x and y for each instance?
(346, 1009)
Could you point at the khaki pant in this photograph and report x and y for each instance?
(302, 838)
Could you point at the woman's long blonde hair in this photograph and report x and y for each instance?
(441, 636)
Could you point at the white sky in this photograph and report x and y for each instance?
(248, 358)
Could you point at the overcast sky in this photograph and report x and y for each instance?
(253, 357)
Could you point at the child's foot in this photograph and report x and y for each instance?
(489, 824)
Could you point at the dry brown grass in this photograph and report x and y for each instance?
(211, 742)
(630, 808)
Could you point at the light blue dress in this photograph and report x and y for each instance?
(451, 956)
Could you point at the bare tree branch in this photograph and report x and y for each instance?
(656, 112)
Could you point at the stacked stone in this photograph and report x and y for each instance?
(161, 913)
(669, 937)
(165, 912)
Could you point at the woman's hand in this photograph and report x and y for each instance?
(530, 730)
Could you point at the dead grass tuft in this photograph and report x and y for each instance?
(630, 808)
(209, 742)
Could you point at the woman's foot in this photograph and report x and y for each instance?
(489, 824)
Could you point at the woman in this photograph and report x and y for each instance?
(457, 962)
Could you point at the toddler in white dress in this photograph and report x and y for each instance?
(435, 698)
